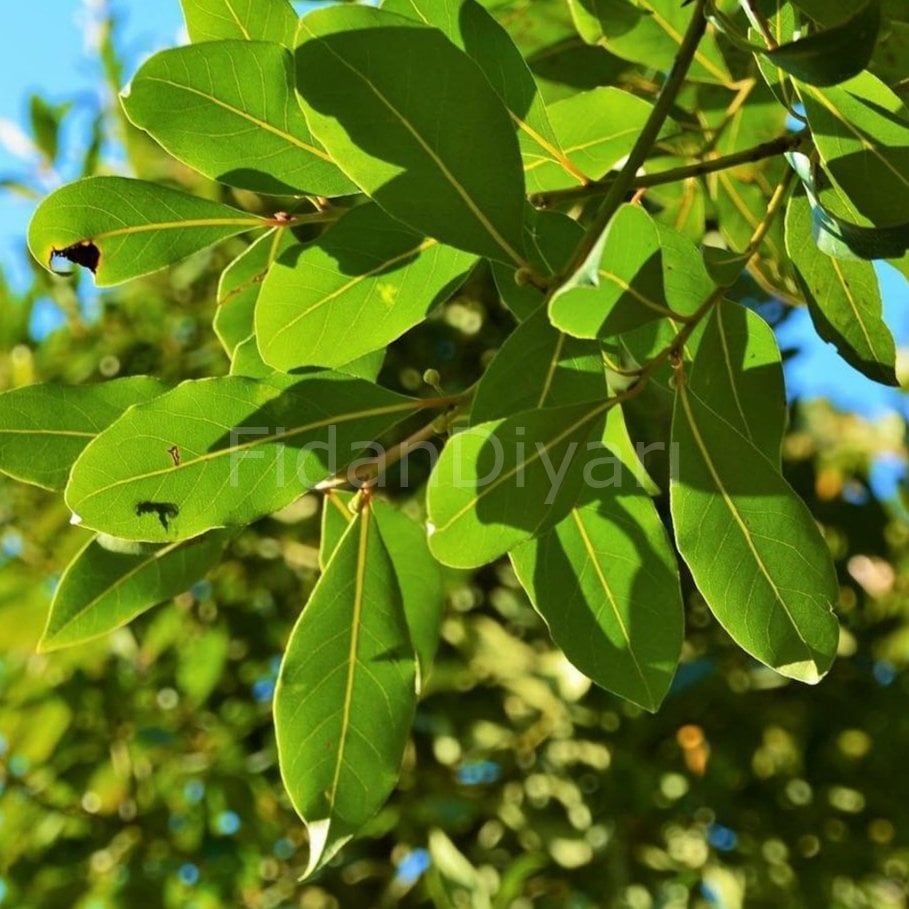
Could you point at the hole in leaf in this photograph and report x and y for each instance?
(83, 253)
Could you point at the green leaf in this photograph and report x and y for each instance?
(121, 229)
(228, 110)
(640, 270)
(110, 582)
(844, 299)
(835, 232)
(46, 120)
(420, 580)
(861, 130)
(648, 32)
(43, 428)
(752, 546)
(241, 283)
(252, 20)
(225, 451)
(606, 583)
(247, 361)
(566, 370)
(472, 29)
(744, 381)
(345, 696)
(417, 572)
(362, 284)
(550, 238)
(503, 481)
(596, 130)
(369, 85)
(834, 54)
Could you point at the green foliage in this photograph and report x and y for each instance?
(402, 174)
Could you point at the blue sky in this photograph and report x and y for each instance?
(52, 55)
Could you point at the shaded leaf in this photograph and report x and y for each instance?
(751, 544)
(550, 239)
(109, 583)
(834, 54)
(417, 572)
(648, 32)
(503, 481)
(844, 299)
(343, 706)
(861, 131)
(369, 87)
(640, 270)
(471, 28)
(606, 582)
(240, 285)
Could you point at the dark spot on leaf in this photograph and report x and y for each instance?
(82, 253)
(174, 452)
(164, 510)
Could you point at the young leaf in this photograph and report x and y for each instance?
(417, 572)
(345, 695)
(639, 271)
(471, 28)
(43, 428)
(362, 284)
(751, 544)
(105, 587)
(241, 283)
(121, 228)
(861, 130)
(606, 582)
(834, 54)
(369, 87)
(844, 299)
(501, 482)
(252, 20)
(228, 110)
(225, 451)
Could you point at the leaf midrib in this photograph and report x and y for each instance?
(477, 212)
(734, 512)
(245, 115)
(258, 440)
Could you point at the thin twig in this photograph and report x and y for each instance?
(642, 147)
(769, 149)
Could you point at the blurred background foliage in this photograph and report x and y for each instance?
(141, 770)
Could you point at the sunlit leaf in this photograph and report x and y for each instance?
(228, 110)
(121, 229)
(253, 20)
(225, 451)
(362, 284)
(43, 428)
